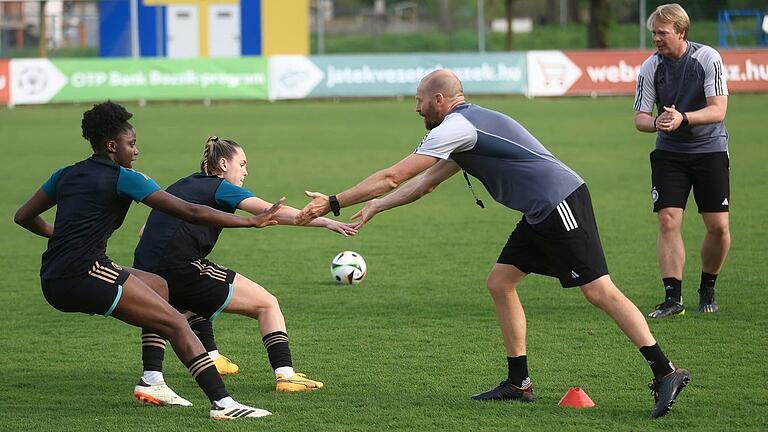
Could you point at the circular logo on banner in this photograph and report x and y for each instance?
(33, 80)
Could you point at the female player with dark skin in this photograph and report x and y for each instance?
(92, 198)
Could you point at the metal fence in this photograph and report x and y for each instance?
(67, 28)
(70, 28)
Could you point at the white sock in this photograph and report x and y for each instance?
(153, 377)
(214, 354)
(286, 371)
(225, 402)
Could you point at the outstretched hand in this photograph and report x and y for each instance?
(365, 214)
(266, 217)
(316, 208)
(345, 229)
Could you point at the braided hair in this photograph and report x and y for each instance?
(215, 150)
(103, 122)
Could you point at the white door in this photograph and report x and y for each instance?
(224, 30)
(182, 31)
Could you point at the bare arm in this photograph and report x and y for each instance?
(204, 215)
(287, 216)
(373, 186)
(714, 112)
(645, 121)
(410, 192)
(28, 215)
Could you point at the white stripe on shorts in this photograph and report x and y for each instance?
(567, 216)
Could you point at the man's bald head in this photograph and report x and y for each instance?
(441, 81)
(438, 93)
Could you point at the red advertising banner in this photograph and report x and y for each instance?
(5, 82)
(746, 70)
(557, 73)
(606, 72)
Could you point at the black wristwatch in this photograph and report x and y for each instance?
(335, 207)
(685, 119)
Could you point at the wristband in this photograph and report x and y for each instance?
(685, 119)
(654, 123)
(334, 203)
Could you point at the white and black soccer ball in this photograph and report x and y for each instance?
(348, 268)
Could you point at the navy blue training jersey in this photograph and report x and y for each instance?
(169, 242)
(92, 198)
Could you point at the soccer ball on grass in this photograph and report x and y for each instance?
(348, 268)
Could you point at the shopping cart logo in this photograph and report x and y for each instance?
(550, 73)
(553, 73)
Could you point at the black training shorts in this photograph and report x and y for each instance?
(565, 245)
(202, 287)
(673, 174)
(96, 292)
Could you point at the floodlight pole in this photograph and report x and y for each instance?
(134, 29)
(320, 15)
(641, 14)
(42, 43)
(481, 25)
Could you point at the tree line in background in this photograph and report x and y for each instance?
(599, 16)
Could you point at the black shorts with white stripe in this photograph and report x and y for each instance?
(96, 292)
(565, 245)
(674, 174)
(202, 287)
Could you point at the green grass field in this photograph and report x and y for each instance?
(406, 349)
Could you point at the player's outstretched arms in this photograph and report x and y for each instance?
(374, 186)
(345, 229)
(204, 215)
(365, 214)
(287, 216)
(28, 215)
(316, 208)
(409, 192)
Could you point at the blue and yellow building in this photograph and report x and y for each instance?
(203, 28)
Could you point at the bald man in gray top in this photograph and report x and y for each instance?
(557, 235)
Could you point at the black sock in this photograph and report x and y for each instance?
(204, 372)
(674, 289)
(707, 281)
(203, 328)
(152, 350)
(279, 354)
(518, 370)
(659, 363)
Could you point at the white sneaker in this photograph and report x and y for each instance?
(158, 394)
(236, 411)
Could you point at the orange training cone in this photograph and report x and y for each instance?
(575, 397)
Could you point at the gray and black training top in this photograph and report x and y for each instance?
(685, 83)
(515, 168)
